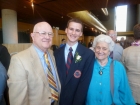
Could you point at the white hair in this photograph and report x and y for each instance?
(106, 39)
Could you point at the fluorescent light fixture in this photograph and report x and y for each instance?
(105, 11)
(88, 19)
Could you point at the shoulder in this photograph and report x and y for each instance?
(59, 50)
(86, 53)
(118, 65)
(23, 54)
(118, 46)
(3, 48)
(85, 49)
(50, 51)
(131, 48)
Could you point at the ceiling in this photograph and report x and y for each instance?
(55, 11)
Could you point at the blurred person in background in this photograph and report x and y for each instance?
(90, 43)
(128, 42)
(131, 60)
(5, 60)
(3, 83)
(116, 54)
(63, 42)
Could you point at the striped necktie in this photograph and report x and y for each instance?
(69, 59)
(50, 77)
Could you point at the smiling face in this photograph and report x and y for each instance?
(40, 36)
(73, 31)
(102, 51)
(112, 34)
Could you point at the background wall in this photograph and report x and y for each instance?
(110, 24)
(24, 29)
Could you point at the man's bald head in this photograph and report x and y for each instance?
(42, 36)
(40, 25)
(112, 34)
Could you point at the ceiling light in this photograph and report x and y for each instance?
(105, 11)
(88, 19)
(32, 4)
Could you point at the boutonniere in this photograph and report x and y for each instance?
(78, 58)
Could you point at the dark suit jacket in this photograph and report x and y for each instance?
(4, 56)
(74, 88)
(5, 60)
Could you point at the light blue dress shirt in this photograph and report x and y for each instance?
(41, 56)
(99, 92)
(67, 50)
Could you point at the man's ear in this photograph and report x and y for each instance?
(32, 36)
(66, 30)
(81, 34)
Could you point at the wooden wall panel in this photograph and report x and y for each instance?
(14, 48)
(87, 39)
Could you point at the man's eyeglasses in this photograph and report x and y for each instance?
(43, 34)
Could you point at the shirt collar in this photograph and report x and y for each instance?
(40, 53)
(106, 66)
(73, 47)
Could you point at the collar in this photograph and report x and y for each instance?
(40, 52)
(106, 66)
(136, 43)
(73, 47)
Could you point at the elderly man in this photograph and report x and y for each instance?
(32, 71)
(118, 50)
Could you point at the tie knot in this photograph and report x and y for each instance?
(70, 49)
(46, 55)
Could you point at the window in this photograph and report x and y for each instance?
(121, 18)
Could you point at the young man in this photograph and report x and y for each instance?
(31, 71)
(75, 65)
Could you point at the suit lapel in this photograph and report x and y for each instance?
(74, 65)
(63, 67)
(37, 66)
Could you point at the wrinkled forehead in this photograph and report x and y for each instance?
(42, 27)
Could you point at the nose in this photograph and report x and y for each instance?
(73, 32)
(100, 50)
(46, 36)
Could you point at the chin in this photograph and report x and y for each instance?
(101, 58)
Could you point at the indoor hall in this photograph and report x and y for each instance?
(18, 17)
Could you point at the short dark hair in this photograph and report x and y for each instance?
(76, 21)
(136, 31)
(62, 40)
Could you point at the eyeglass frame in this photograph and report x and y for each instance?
(43, 34)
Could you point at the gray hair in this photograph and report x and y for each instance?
(104, 38)
(111, 33)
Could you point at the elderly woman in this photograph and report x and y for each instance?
(101, 91)
(131, 60)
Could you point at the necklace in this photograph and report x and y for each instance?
(101, 71)
(135, 43)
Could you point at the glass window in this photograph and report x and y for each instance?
(121, 18)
